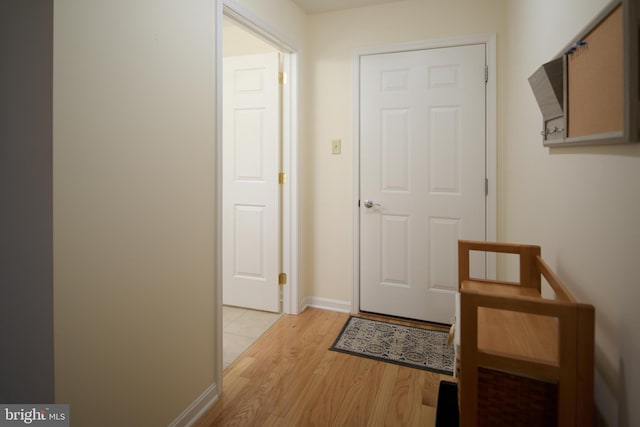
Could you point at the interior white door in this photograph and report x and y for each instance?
(251, 197)
(422, 177)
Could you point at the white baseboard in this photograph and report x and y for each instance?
(202, 404)
(327, 304)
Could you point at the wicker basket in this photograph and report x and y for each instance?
(515, 401)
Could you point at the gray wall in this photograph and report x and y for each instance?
(26, 272)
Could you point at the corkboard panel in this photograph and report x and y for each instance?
(595, 94)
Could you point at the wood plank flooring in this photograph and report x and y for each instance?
(290, 378)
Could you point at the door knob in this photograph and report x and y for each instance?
(370, 204)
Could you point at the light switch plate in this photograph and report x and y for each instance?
(336, 146)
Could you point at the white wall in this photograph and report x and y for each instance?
(284, 15)
(134, 208)
(580, 204)
(237, 41)
(326, 192)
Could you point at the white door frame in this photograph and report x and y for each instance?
(256, 25)
(491, 137)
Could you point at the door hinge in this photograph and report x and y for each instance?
(486, 186)
(282, 279)
(282, 178)
(486, 73)
(282, 78)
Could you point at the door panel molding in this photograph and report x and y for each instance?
(251, 193)
(489, 40)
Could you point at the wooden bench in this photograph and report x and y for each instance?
(523, 359)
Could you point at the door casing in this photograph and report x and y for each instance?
(491, 147)
(290, 101)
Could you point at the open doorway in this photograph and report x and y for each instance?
(259, 237)
(251, 207)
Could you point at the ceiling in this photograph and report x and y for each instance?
(320, 6)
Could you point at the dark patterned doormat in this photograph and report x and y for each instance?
(404, 345)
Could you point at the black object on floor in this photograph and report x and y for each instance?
(447, 414)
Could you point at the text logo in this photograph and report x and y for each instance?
(34, 415)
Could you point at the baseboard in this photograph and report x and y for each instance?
(197, 409)
(327, 304)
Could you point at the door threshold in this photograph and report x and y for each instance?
(404, 321)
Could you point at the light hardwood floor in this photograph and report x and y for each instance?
(290, 378)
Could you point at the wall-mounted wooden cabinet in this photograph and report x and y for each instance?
(589, 94)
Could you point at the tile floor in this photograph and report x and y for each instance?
(241, 327)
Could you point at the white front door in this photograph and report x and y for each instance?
(422, 177)
(251, 197)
